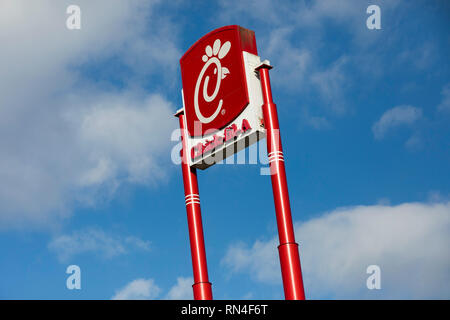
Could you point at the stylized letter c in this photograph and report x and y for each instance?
(207, 97)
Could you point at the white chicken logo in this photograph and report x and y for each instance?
(213, 56)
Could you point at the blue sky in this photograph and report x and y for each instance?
(86, 175)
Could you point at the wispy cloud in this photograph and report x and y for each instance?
(308, 60)
(415, 142)
(398, 116)
(146, 289)
(444, 106)
(182, 290)
(292, 62)
(95, 241)
(421, 57)
(139, 289)
(408, 242)
(71, 133)
(331, 84)
(316, 122)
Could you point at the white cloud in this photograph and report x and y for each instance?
(139, 289)
(395, 117)
(436, 197)
(292, 62)
(317, 122)
(331, 84)
(256, 260)
(146, 289)
(67, 136)
(444, 106)
(123, 132)
(296, 13)
(409, 242)
(295, 36)
(415, 142)
(421, 57)
(182, 290)
(94, 241)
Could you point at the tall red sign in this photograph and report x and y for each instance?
(227, 105)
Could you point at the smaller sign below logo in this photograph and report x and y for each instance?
(229, 134)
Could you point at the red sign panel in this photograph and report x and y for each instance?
(214, 82)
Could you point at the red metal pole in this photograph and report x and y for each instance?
(201, 286)
(288, 249)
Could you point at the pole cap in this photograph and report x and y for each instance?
(179, 112)
(265, 64)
